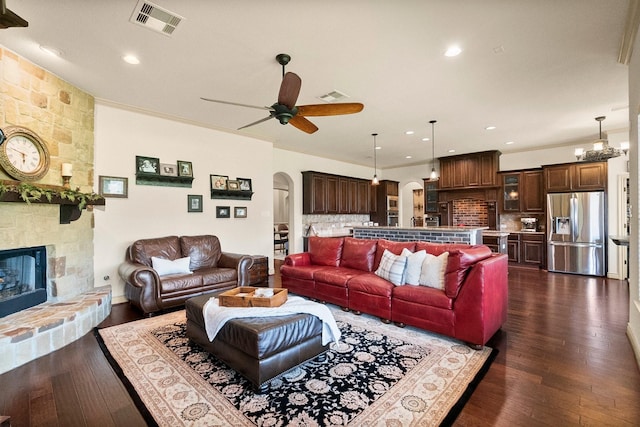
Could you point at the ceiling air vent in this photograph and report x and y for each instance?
(155, 18)
(333, 96)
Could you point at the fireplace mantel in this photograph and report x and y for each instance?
(69, 210)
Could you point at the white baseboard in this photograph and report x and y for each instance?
(635, 345)
(119, 299)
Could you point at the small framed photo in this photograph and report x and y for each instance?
(245, 184)
(185, 168)
(194, 203)
(147, 165)
(219, 182)
(240, 212)
(113, 186)
(223, 212)
(167, 169)
(233, 185)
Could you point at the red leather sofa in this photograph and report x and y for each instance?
(471, 307)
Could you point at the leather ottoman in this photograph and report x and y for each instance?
(259, 348)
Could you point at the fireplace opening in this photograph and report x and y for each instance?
(23, 279)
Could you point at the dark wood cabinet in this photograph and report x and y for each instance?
(333, 194)
(259, 271)
(582, 176)
(526, 249)
(445, 211)
(532, 250)
(431, 196)
(469, 170)
(522, 191)
(382, 190)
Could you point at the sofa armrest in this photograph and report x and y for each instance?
(242, 263)
(139, 275)
(481, 305)
(298, 260)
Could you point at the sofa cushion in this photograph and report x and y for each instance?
(304, 272)
(461, 258)
(165, 267)
(392, 267)
(358, 253)
(370, 283)
(393, 247)
(212, 276)
(336, 276)
(181, 284)
(142, 250)
(204, 251)
(414, 266)
(429, 297)
(433, 270)
(325, 250)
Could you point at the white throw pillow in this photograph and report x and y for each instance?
(414, 266)
(433, 269)
(165, 267)
(391, 267)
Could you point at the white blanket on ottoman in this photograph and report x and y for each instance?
(215, 316)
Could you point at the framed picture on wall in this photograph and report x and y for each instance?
(240, 212)
(147, 165)
(185, 168)
(245, 184)
(233, 185)
(223, 212)
(167, 169)
(194, 203)
(219, 182)
(113, 186)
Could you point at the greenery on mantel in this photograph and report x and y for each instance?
(31, 192)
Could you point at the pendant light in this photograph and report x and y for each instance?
(375, 180)
(601, 148)
(434, 174)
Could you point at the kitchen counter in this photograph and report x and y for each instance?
(496, 233)
(443, 234)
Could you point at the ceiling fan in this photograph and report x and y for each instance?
(286, 110)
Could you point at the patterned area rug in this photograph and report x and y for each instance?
(377, 375)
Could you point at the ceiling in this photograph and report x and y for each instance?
(540, 71)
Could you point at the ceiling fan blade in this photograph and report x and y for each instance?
(235, 103)
(303, 124)
(256, 122)
(289, 90)
(330, 109)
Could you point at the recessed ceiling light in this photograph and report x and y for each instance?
(425, 139)
(452, 151)
(409, 132)
(51, 50)
(131, 59)
(453, 51)
(408, 157)
(490, 128)
(508, 143)
(378, 147)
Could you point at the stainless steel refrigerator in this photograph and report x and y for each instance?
(576, 234)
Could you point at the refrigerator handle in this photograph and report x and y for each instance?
(574, 217)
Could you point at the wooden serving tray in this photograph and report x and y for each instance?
(243, 296)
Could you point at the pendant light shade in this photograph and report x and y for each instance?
(375, 180)
(601, 149)
(434, 174)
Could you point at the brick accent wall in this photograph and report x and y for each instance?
(63, 116)
(443, 235)
(470, 212)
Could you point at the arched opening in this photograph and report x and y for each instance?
(283, 214)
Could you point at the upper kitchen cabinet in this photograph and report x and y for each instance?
(582, 176)
(431, 195)
(333, 194)
(469, 170)
(522, 191)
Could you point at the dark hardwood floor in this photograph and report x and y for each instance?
(564, 360)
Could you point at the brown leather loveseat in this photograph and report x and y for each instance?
(164, 272)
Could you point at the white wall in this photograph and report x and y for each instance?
(155, 211)
(633, 329)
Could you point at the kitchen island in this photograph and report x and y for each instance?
(462, 234)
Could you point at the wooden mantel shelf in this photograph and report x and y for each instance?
(69, 210)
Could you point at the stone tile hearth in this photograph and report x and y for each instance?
(39, 330)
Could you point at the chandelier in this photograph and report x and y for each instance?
(601, 149)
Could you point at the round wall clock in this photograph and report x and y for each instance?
(23, 155)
